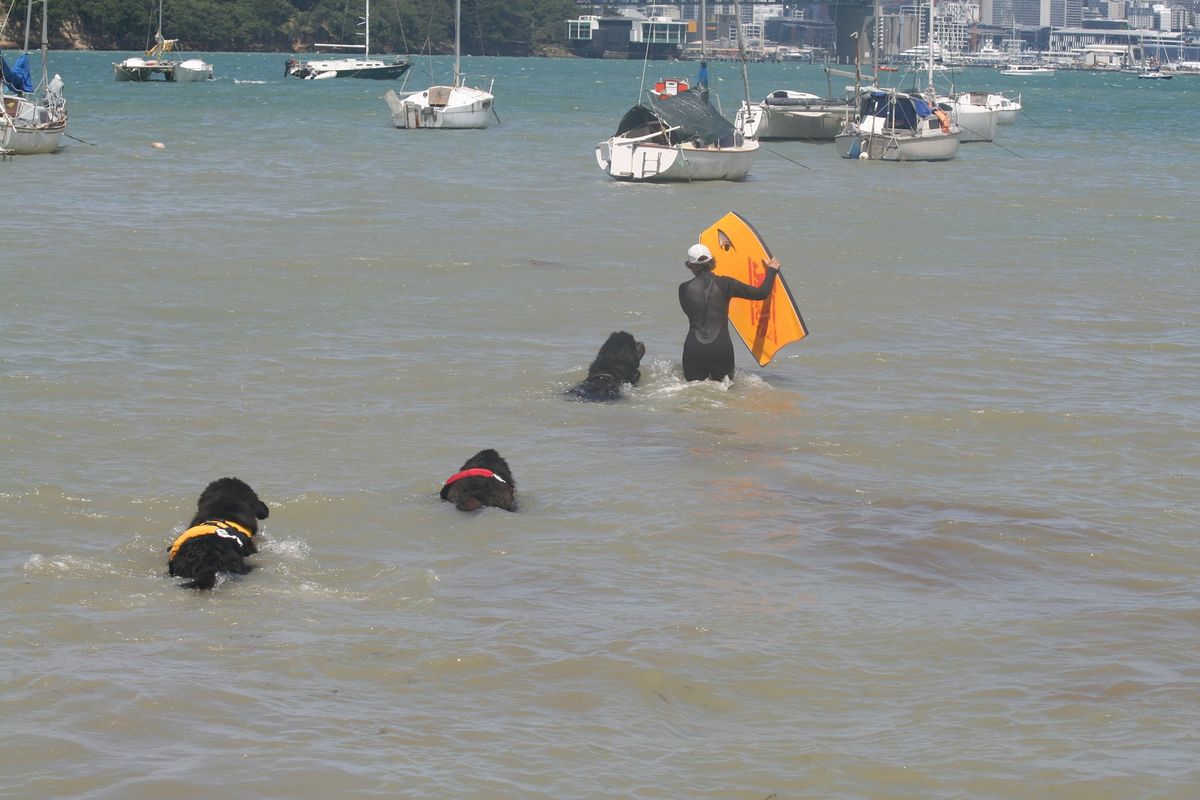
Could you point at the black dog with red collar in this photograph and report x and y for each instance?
(484, 480)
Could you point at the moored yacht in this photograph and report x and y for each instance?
(453, 106)
(349, 66)
(897, 126)
(157, 65)
(789, 114)
(975, 117)
(1008, 108)
(677, 138)
(1026, 69)
(33, 114)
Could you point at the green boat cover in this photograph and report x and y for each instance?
(690, 111)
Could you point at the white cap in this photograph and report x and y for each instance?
(698, 255)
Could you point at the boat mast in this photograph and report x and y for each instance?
(875, 47)
(702, 77)
(856, 36)
(737, 11)
(929, 54)
(28, 22)
(45, 29)
(45, 53)
(366, 32)
(457, 27)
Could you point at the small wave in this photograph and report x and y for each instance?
(240, 81)
(288, 548)
(666, 381)
(38, 564)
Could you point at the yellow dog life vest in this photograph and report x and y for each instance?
(220, 527)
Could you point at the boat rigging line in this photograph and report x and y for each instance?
(81, 141)
(785, 158)
(1007, 149)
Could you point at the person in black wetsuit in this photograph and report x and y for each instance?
(708, 350)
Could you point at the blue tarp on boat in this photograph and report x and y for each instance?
(17, 76)
(907, 109)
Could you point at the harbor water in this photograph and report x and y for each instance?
(945, 547)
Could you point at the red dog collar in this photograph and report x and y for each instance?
(473, 473)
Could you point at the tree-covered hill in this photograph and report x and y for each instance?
(490, 27)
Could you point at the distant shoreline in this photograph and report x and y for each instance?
(78, 44)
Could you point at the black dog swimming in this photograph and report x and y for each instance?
(616, 364)
(220, 536)
(484, 480)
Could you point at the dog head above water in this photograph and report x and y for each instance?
(616, 364)
(484, 480)
(231, 499)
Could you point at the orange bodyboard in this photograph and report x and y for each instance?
(765, 326)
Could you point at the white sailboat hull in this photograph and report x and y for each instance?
(636, 160)
(897, 145)
(976, 121)
(140, 69)
(977, 125)
(805, 125)
(125, 70)
(193, 70)
(793, 115)
(371, 68)
(1007, 108)
(460, 107)
(29, 129)
(23, 141)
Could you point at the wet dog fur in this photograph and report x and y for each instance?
(474, 492)
(202, 558)
(616, 365)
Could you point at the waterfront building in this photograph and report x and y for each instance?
(631, 34)
(800, 33)
(1120, 48)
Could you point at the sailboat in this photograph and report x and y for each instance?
(899, 126)
(34, 117)
(790, 114)
(974, 115)
(1009, 108)
(454, 106)
(156, 65)
(679, 137)
(1151, 68)
(351, 66)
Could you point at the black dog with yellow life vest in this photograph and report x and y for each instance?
(220, 536)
